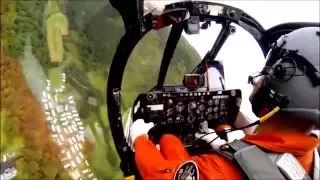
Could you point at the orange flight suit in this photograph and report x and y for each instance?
(154, 164)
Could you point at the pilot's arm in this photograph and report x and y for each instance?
(150, 162)
(215, 141)
(172, 157)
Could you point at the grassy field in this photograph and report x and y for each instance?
(98, 158)
(57, 27)
(54, 74)
(97, 80)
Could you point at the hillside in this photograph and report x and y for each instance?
(79, 38)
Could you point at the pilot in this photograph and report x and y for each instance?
(285, 96)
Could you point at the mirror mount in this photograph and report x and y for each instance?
(192, 25)
(169, 17)
(206, 24)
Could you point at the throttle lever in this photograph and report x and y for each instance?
(204, 127)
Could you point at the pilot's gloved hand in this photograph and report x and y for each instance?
(212, 138)
(242, 120)
(215, 141)
(139, 128)
(235, 135)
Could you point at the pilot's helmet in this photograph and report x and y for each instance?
(292, 69)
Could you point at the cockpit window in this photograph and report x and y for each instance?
(55, 57)
(55, 60)
(141, 72)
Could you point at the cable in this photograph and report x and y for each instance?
(261, 120)
(129, 177)
(213, 140)
(207, 134)
(271, 113)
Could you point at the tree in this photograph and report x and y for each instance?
(12, 127)
(62, 174)
(25, 113)
(50, 170)
(84, 110)
(87, 147)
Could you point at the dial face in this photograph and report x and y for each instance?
(178, 119)
(170, 111)
(210, 109)
(192, 105)
(150, 96)
(179, 107)
(191, 119)
(216, 102)
(210, 102)
(201, 107)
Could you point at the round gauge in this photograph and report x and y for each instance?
(170, 120)
(216, 102)
(201, 107)
(178, 119)
(179, 107)
(150, 96)
(215, 109)
(215, 116)
(210, 109)
(191, 119)
(170, 111)
(210, 102)
(210, 117)
(192, 105)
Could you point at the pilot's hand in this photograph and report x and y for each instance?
(212, 138)
(235, 135)
(215, 141)
(139, 128)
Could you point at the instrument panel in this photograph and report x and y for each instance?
(188, 112)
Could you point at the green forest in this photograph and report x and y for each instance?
(42, 39)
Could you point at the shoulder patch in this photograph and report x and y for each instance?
(187, 171)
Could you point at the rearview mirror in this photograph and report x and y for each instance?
(170, 17)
